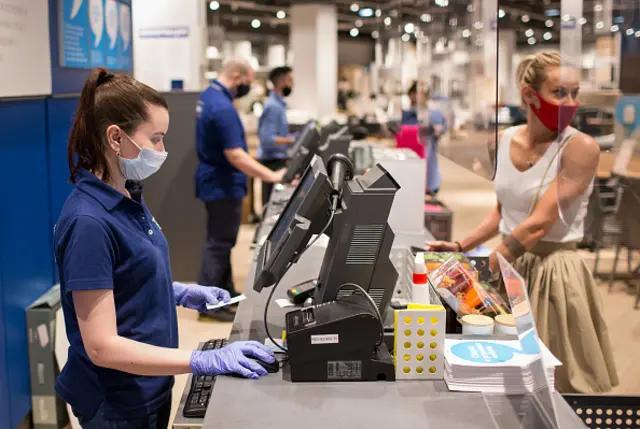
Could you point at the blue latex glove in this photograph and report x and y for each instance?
(197, 297)
(232, 359)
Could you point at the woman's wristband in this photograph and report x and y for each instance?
(460, 249)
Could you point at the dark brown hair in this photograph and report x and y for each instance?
(106, 100)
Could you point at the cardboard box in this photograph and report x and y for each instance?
(49, 410)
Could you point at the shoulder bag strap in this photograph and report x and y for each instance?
(565, 139)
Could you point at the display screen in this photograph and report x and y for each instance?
(277, 235)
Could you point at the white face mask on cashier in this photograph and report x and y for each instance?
(142, 166)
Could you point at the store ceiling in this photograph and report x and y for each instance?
(537, 20)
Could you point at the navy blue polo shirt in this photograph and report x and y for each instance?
(104, 240)
(218, 128)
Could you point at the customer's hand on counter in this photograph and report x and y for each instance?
(441, 246)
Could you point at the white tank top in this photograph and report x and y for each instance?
(516, 190)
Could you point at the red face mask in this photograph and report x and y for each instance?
(556, 117)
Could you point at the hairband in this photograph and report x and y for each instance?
(104, 77)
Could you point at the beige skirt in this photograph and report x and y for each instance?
(568, 311)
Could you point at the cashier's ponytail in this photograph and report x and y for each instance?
(106, 100)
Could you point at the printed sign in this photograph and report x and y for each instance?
(74, 34)
(96, 33)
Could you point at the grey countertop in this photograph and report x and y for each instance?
(273, 402)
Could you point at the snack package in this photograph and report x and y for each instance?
(433, 261)
(459, 287)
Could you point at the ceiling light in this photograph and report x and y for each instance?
(470, 8)
(442, 3)
(501, 13)
(406, 37)
(566, 18)
(600, 25)
(358, 23)
(615, 28)
(281, 14)
(525, 18)
(531, 41)
(529, 33)
(638, 33)
(547, 35)
(453, 22)
(478, 25)
(630, 32)
(426, 17)
(256, 23)
(466, 33)
(549, 23)
(387, 21)
(378, 13)
(408, 28)
(375, 34)
(355, 7)
(583, 21)
(366, 12)
(354, 32)
(598, 8)
(214, 5)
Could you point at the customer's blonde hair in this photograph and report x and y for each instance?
(532, 70)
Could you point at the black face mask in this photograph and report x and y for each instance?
(286, 91)
(242, 90)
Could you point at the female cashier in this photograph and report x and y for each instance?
(545, 170)
(118, 297)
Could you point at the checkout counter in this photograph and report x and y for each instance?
(274, 401)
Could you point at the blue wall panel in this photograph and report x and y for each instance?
(26, 231)
(60, 113)
(4, 380)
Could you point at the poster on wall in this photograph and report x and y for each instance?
(25, 60)
(96, 33)
(98, 37)
(111, 24)
(73, 31)
(124, 38)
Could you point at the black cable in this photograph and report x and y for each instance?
(273, 289)
(373, 304)
(333, 212)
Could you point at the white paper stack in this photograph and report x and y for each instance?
(495, 366)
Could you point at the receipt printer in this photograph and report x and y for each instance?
(339, 340)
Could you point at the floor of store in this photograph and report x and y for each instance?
(470, 197)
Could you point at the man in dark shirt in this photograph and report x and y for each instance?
(273, 127)
(221, 176)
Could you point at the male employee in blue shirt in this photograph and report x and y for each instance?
(221, 176)
(273, 127)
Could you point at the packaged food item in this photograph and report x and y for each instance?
(460, 288)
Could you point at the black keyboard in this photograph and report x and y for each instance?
(201, 386)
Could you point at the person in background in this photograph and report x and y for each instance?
(433, 127)
(221, 175)
(118, 297)
(273, 127)
(543, 168)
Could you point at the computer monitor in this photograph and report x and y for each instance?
(306, 213)
(302, 152)
(360, 237)
(337, 140)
